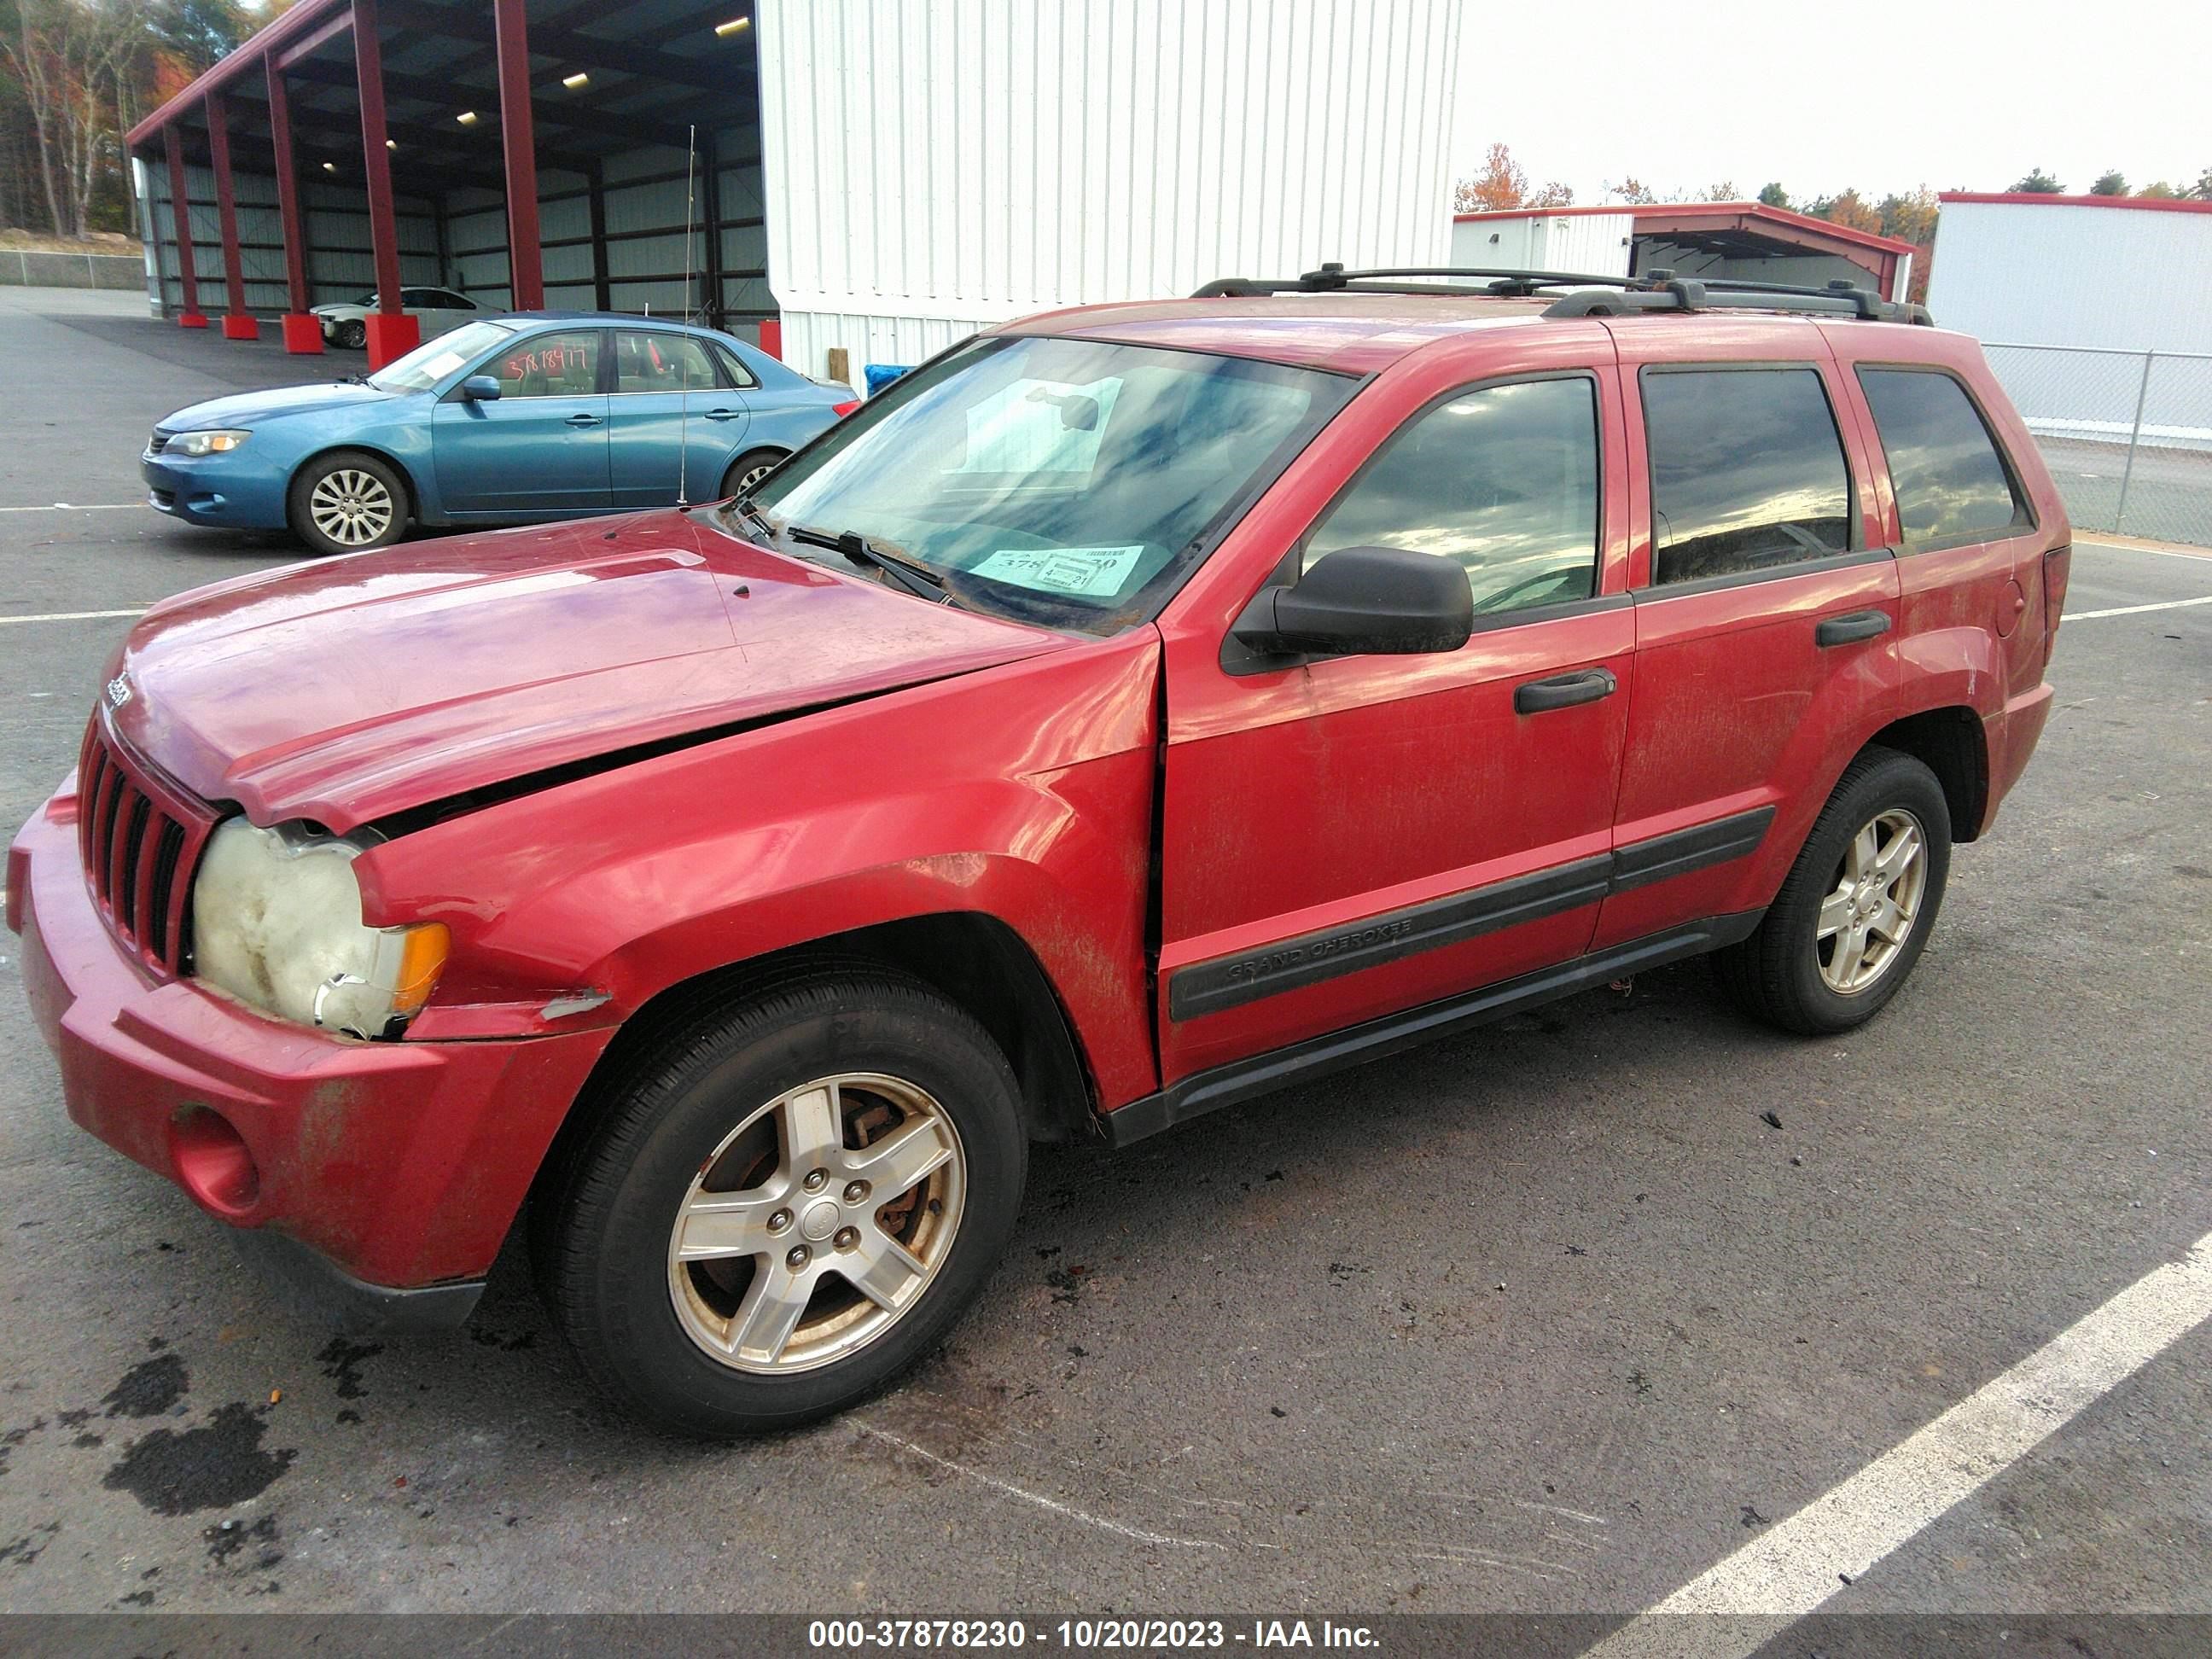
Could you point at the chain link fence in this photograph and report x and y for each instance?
(2128, 434)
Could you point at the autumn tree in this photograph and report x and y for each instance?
(1723, 192)
(1910, 217)
(1847, 210)
(64, 56)
(2114, 182)
(2038, 183)
(1774, 196)
(1503, 184)
(1632, 191)
(2160, 192)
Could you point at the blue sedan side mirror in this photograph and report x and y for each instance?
(481, 388)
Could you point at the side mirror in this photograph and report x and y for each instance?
(1361, 602)
(481, 388)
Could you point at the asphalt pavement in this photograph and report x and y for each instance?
(1553, 1318)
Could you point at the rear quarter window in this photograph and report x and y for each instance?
(1951, 482)
(1747, 472)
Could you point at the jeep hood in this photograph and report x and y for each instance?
(352, 688)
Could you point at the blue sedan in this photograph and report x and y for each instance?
(505, 421)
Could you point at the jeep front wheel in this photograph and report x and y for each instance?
(1856, 911)
(787, 1206)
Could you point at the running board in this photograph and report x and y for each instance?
(1241, 1079)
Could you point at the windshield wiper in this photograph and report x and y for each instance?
(925, 584)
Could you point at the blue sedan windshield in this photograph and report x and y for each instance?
(431, 362)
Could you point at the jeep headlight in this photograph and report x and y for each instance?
(220, 442)
(277, 923)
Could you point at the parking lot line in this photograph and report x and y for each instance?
(76, 506)
(2133, 609)
(74, 615)
(1802, 1561)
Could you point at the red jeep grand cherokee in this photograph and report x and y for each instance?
(1132, 710)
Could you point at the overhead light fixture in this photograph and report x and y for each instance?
(578, 79)
(732, 25)
(330, 166)
(467, 117)
(392, 143)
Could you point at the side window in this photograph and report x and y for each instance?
(1950, 483)
(660, 362)
(734, 367)
(1747, 471)
(550, 366)
(1503, 480)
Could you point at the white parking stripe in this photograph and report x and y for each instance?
(77, 507)
(1799, 1563)
(72, 616)
(2132, 610)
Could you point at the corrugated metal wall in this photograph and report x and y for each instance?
(936, 165)
(2055, 275)
(340, 265)
(1596, 244)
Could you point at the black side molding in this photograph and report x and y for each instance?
(1207, 987)
(1664, 857)
(1240, 1080)
(314, 1289)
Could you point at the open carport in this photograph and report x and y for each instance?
(527, 155)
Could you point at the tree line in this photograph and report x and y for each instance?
(74, 76)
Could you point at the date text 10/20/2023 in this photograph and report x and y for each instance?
(1086, 1635)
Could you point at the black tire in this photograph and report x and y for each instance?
(602, 1226)
(352, 335)
(1778, 973)
(381, 491)
(753, 460)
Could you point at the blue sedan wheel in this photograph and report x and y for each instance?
(348, 503)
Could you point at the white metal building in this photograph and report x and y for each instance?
(2093, 308)
(933, 165)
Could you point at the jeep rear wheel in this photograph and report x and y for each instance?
(1856, 908)
(786, 1206)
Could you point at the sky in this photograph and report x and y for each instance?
(1948, 94)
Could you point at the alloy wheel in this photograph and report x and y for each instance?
(353, 507)
(818, 1223)
(1870, 912)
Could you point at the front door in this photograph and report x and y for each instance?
(539, 450)
(674, 427)
(1353, 836)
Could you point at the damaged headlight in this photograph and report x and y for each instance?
(206, 443)
(277, 923)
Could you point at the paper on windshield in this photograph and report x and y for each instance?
(1092, 573)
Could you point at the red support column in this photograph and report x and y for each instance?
(180, 219)
(391, 333)
(302, 333)
(237, 323)
(526, 261)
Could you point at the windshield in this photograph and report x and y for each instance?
(430, 362)
(1071, 482)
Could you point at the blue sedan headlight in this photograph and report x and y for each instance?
(216, 442)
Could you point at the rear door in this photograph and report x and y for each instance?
(676, 419)
(540, 448)
(1356, 835)
(1766, 614)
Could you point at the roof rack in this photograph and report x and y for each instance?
(1656, 290)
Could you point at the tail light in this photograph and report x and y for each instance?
(2058, 566)
(841, 410)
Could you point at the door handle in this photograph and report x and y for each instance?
(580, 422)
(1563, 690)
(724, 414)
(1843, 630)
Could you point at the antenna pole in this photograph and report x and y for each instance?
(683, 404)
